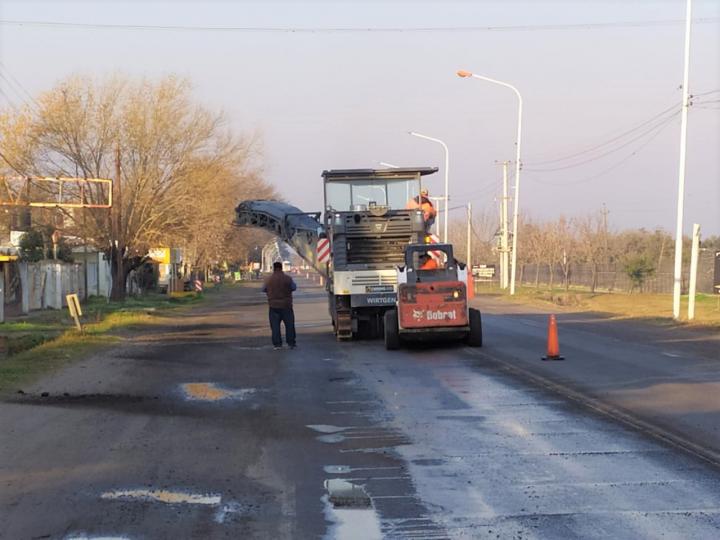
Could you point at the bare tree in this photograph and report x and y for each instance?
(591, 244)
(181, 170)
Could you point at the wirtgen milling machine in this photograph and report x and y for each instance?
(368, 222)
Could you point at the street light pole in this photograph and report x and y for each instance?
(447, 173)
(516, 206)
(677, 283)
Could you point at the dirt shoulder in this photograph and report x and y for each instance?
(47, 341)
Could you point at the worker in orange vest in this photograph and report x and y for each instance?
(423, 203)
(427, 262)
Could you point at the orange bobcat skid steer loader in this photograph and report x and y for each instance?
(432, 300)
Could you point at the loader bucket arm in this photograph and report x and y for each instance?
(300, 230)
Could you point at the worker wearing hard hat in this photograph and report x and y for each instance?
(426, 262)
(422, 202)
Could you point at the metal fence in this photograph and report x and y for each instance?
(612, 277)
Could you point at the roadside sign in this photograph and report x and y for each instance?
(198, 285)
(484, 271)
(160, 255)
(323, 250)
(716, 277)
(75, 310)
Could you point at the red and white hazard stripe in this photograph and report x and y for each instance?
(323, 250)
(439, 256)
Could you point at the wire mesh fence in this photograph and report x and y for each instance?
(613, 277)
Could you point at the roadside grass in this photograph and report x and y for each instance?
(48, 340)
(619, 305)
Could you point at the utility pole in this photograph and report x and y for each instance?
(693, 271)
(605, 213)
(119, 277)
(469, 238)
(504, 243)
(677, 283)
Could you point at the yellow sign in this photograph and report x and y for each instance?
(74, 308)
(159, 255)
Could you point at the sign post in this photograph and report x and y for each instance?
(75, 310)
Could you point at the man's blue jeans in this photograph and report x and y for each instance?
(286, 316)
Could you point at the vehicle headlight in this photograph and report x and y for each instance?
(456, 294)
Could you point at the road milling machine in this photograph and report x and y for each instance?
(368, 224)
(432, 299)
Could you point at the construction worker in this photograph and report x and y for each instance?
(424, 203)
(427, 262)
(279, 288)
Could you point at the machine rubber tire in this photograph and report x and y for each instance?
(474, 337)
(392, 335)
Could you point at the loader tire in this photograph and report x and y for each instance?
(474, 337)
(392, 334)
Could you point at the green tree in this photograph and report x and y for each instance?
(32, 246)
(638, 268)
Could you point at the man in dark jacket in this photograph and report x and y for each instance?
(279, 288)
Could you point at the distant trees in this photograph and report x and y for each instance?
(555, 249)
(182, 170)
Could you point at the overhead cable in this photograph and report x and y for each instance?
(373, 29)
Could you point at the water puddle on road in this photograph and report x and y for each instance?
(337, 469)
(324, 428)
(88, 537)
(213, 392)
(350, 509)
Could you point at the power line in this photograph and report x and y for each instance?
(9, 101)
(705, 93)
(657, 116)
(612, 151)
(659, 130)
(14, 86)
(13, 167)
(345, 30)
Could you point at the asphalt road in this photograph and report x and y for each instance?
(198, 429)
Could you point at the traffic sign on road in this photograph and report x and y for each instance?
(323, 250)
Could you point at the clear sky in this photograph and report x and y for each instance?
(337, 99)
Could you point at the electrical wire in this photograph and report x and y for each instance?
(624, 133)
(612, 151)
(13, 167)
(705, 93)
(659, 130)
(15, 85)
(345, 30)
(655, 117)
(9, 101)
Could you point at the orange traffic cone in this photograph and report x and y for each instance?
(470, 286)
(553, 345)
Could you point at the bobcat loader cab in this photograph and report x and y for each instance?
(432, 300)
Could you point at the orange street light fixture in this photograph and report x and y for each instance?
(466, 74)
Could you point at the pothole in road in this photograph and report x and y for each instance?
(222, 510)
(163, 495)
(350, 509)
(207, 391)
